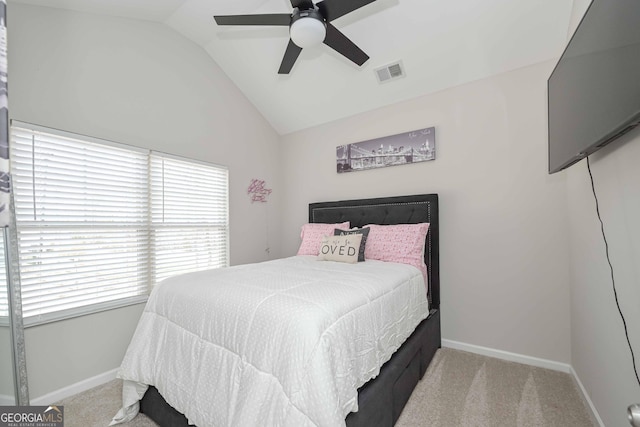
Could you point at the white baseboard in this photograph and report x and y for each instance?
(511, 357)
(6, 400)
(587, 398)
(79, 387)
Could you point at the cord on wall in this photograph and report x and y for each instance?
(613, 281)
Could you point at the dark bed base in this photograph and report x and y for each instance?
(381, 400)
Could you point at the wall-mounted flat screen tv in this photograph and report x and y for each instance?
(594, 90)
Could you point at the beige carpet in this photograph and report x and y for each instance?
(459, 390)
(465, 389)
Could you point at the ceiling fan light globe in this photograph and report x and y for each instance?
(308, 32)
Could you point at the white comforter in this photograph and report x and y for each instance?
(281, 343)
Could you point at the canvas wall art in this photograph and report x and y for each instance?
(404, 148)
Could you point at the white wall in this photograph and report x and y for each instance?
(600, 355)
(504, 231)
(137, 83)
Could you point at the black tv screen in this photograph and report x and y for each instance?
(594, 90)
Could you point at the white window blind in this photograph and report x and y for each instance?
(88, 233)
(188, 216)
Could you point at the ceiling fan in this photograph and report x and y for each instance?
(309, 25)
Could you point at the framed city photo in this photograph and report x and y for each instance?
(401, 149)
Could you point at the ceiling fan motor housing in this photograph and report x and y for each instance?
(308, 28)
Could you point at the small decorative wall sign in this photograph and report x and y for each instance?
(257, 191)
(404, 148)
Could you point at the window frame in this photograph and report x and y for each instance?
(148, 247)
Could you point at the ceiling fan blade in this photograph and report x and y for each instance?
(334, 9)
(302, 4)
(282, 19)
(290, 57)
(341, 44)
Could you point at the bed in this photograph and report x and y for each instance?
(381, 400)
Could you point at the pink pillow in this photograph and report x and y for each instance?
(403, 243)
(313, 233)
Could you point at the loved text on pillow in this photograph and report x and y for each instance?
(343, 248)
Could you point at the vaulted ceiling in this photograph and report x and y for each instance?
(440, 43)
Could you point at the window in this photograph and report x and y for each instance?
(100, 223)
(188, 216)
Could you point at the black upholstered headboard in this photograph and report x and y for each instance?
(391, 210)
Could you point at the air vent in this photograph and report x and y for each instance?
(390, 72)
